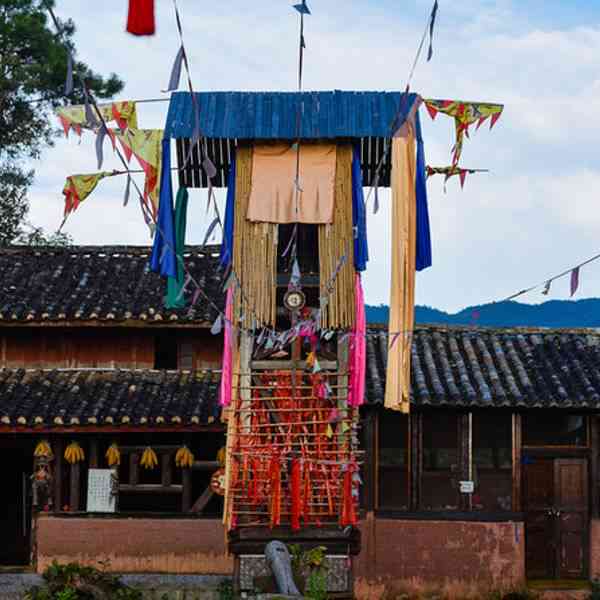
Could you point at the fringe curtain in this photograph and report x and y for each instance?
(254, 254)
(402, 294)
(335, 241)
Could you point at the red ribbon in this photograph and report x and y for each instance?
(140, 19)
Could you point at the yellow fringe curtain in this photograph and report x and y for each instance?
(254, 253)
(335, 241)
(402, 293)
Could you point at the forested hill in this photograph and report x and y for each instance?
(554, 313)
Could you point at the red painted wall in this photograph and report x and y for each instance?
(394, 551)
(137, 545)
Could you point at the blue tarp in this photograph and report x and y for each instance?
(272, 115)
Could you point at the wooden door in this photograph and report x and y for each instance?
(556, 502)
(538, 501)
(571, 516)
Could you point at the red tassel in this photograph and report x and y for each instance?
(348, 509)
(140, 20)
(275, 491)
(295, 494)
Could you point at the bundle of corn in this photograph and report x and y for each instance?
(43, 449)
(113, 455)
(74, 453)
(149, 459)
(184, 457)
(221, 456)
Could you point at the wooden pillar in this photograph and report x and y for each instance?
(94, 462)
(371, 460)
(415, 432)
(58, 449)
(186, 496)
(134, 465)
(465, 471)
(166, 469)
(594, 448)
(516, 462)
(74, 496)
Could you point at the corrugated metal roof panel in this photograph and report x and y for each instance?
(273, 115)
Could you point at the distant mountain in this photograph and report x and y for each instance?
(554, 313)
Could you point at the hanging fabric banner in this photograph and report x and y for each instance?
(74, 117)
(174, 298)
(358, 350)
(402, 294)
(464, 115)
(79, 187)
(226, 255)
(423, 252)
(140, 17)
(359, 214)
(145, 145)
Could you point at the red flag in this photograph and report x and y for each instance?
(432, 110)
(66, 125)
(574, 280)
(140, 19)
(495, 117)
(463, 175)
(480, 123)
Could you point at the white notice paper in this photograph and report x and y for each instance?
(100, 486)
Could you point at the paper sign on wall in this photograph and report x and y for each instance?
(467, 487)
(100, 496)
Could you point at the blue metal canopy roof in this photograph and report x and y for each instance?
(273, 115)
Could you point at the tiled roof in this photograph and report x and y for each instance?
(468, 367)
(112, 397)
(99, 283)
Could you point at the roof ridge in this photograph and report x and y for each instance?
(595, 331)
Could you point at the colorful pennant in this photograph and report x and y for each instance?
(79, 187)
(464, 115)
(452, 171)
(79, 115)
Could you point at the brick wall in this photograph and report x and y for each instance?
(138, 545)
(394, 551)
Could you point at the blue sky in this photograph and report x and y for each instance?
(536, 213)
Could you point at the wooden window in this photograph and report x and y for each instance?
(492, 461)
(441, 468)
(393, 461)
(554, 428)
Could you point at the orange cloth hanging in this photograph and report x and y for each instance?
(273, 194)
(402, 295)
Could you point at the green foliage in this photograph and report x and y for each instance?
(77, 582)
(311, 565)
(225, 590)
(33, 67)
(316, 584)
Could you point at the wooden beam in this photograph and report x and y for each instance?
(465, 466)
(74, 494)
(594, 448)
(150, 488)
(516, 462)
(206, 465)
(284, 365)
(111, 428)
(202, 500)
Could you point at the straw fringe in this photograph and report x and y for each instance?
(335, 240)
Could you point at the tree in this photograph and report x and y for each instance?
(33, 69)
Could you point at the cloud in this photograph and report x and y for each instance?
(533, 215)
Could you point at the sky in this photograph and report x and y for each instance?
(535, 214)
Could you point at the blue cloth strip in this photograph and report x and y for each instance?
(163, 259)
(359, 214)
(227, 244)
(423, 250)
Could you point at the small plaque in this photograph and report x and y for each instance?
(467, 487)
(294, 300)
(100, 496)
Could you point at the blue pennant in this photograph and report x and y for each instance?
(302, 8)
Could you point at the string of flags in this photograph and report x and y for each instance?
(453, 171)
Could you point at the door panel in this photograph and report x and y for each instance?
(571, 503)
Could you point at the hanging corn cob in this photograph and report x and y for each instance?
(43, 449)
(221, 456)
(184, 457)
(74, 453)
(113, 455)
(149, 459)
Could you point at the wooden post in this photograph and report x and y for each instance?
(371, 461)
(415, 458)
(58, 449)
(74, 491)
(516, 462)
(94, 454)
(594, 448)
(166, 469)
(134, 462)
(186, 496)
(465, 470)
